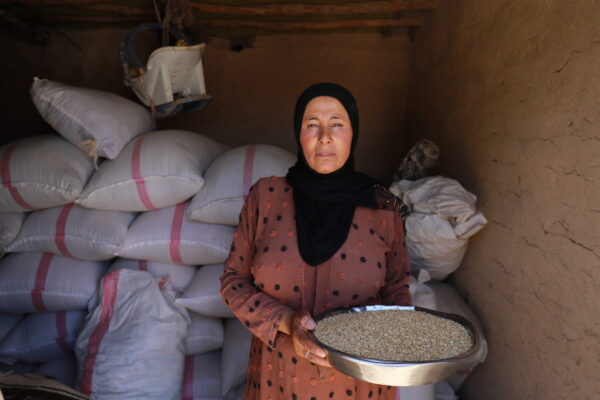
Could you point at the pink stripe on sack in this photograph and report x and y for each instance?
(61, 329)
(5, 174)
(109, 296)
(143, 265)
(248, 168)
(188, 378)
(40, 282)
(136, 172)
(59, 236)
(174, 245)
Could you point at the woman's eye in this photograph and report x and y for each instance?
(312, 125)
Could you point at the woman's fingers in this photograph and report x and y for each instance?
(318, 360)
(304, 319)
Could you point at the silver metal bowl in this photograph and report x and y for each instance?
(398, 373)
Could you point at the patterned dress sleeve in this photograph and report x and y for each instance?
(258, 311)
(395, 291)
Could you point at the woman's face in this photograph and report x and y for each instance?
(326, 134)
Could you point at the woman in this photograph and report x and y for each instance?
(322, 238)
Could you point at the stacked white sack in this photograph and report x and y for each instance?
(74, 231)
(100, 123)
(132, 339)
(165, 235)
(156, 170)
(180, 276)
(202, 378)
(42, 337)
(63, 370)
(42, 282)
(204, 334)
(235, 355)
(10, 225)
(41, 172)
(8, 322)
(229, 178)
(203, 294)
(442, 218)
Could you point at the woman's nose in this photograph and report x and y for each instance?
(325, 136)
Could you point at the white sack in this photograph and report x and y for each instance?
(8, 322)
(179, 275)
(203, 294)
(236, 393)
(443, 391)
(448, 300)
(18, 368)
(421, 392)
(202, 379)
(63, 370)
(229, 178)
(166, 236)
(131, 344)
(98, 122)
(204, 334)
(41, 282)
(74, 231)
(156, 170)
(422, 295)
(10, 224)
(442, 218)
(40, 172)
(235, 354)
(42, 337)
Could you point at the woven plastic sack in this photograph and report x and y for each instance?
(441, 220)
(74, 231)
(156, 170)
(8, 322)
(131, 344)
(202, 379)
(40, 172)
(179, 275)
(166, 236)
(236, 393)
(42, 282)
(204, 334)
(100, 123)
(203, 294)
(229, 178)
(63, 370)
(10, 224)
(42, 337)
(449, 300)
(235, 354)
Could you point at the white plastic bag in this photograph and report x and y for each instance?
(179, 275)
(166, 236)
(40, 172)
(202, 379)
(204, 334)
(8, 322)
(203, 294)
(229, 178)
(97, 122)
(156, 170)
(63, 370)
(235, 354)
(42, 337)
(10, 224)
(131, 344)
(441, 220)
(42, 282)
(74, 231)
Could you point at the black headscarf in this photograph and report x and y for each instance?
(325, 203)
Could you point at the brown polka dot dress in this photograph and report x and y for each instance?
(265, 277)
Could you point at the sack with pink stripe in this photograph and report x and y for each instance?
(8, 322)
(235, 354)
(202, 380)
(131, 344)
(229, 178)
(42, 337)
(40, 172)
(63, 370)
(74, 231)
(203, 294)
(166, 236)
(97, 122)
(179, 275)
(154, 171)
(204, 334)
(10, 224)
(41, 282)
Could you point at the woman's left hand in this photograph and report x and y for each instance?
(302, 322)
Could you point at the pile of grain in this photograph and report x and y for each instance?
(394, 335)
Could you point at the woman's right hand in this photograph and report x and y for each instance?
(301, 323)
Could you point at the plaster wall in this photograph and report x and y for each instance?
(510, 90)
(254, 90)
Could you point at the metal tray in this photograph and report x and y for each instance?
(399, 373)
